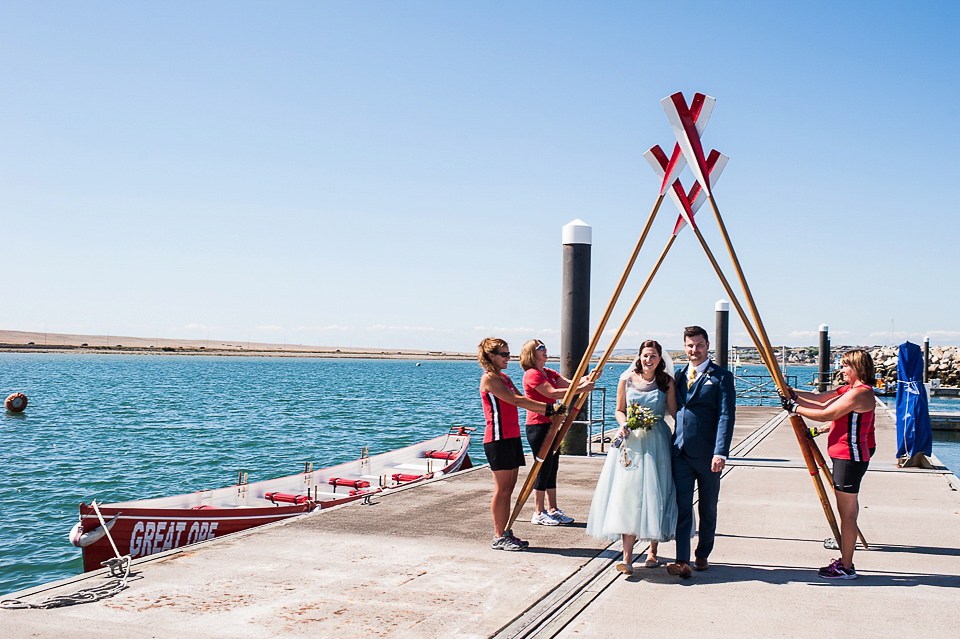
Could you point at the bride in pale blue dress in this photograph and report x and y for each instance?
(635, 496)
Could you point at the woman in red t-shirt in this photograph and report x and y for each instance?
(501, 440)
(850, 444)
(544, 385)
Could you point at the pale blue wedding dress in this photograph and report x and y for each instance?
(639, 499)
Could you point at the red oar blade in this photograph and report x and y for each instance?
(688, 203)
(688, 137)
(659, 163)
(700, 108)
(716, 162)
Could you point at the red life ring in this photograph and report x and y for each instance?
(16, 402)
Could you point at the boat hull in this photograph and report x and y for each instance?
(141, 531)
(151, 526)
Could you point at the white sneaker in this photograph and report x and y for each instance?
(560, 517)
(544, 519)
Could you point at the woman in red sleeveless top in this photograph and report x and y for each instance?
(501, 440)
(850, 409)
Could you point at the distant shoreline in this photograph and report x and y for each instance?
(33, 342)
(36, 342)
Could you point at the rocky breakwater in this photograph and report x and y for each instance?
(944, 365)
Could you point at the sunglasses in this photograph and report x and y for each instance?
(504, 354)
(542, 347)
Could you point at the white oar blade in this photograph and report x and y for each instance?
(685, 130)
(699, 196)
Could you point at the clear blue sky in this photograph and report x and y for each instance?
(396, 174)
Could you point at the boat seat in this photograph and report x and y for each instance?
(287, 498)
(440, 454)
(402, 478)
(352, 483)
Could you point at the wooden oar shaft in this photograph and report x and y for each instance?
(761, 330)
(585, 360)
(829, 475)
(581, 399)
(768, 349)
(800, 432)
(798, 428)
(547, 445)
(557, 421)
(770, 363)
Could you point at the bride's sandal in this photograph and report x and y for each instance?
(651, 563)
(625, 568)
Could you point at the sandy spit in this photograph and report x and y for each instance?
(35, 342)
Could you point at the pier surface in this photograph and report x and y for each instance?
(418, 563)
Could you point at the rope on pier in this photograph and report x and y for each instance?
(87, 595)
(119, 569)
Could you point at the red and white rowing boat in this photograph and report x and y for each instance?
(147, 526)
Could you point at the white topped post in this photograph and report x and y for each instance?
(575, 316)
(722, 337)
(577, 232)
(823, 359)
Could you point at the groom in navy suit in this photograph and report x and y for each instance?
(706, 401)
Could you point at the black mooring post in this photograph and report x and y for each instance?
(926, 360)
(575, 317)
(722, 337)
(823, 359)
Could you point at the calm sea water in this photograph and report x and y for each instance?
(129, 427)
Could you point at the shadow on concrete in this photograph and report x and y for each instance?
(782, 575)
(874, 547)
(920, 550)
(812, 541)
(571, 552)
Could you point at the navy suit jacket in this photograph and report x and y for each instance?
(705, 412)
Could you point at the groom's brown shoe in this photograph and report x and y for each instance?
(679, 569)
(701, 564)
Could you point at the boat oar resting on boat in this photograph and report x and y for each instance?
(149, 526)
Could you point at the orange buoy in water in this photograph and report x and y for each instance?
(16, 402)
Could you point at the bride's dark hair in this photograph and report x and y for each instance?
(660, 372)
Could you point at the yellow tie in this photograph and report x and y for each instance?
(692, 375)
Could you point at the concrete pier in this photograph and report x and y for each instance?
(418, 563)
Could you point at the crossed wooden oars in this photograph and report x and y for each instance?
(688, 125)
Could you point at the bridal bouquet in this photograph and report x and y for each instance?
(640, 417)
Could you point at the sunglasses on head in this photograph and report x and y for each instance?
(542, 347)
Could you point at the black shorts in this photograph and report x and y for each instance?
(505, 454)
(547, 478)
(847, 475)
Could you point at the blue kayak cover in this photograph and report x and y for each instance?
(913, 414)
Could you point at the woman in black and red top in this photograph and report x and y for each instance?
(545, 385)
(501, 440)
(850, 444)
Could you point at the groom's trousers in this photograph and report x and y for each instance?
(687, 473)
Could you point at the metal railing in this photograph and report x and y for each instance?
(591, 419)
(816, 378)
(760, 388)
